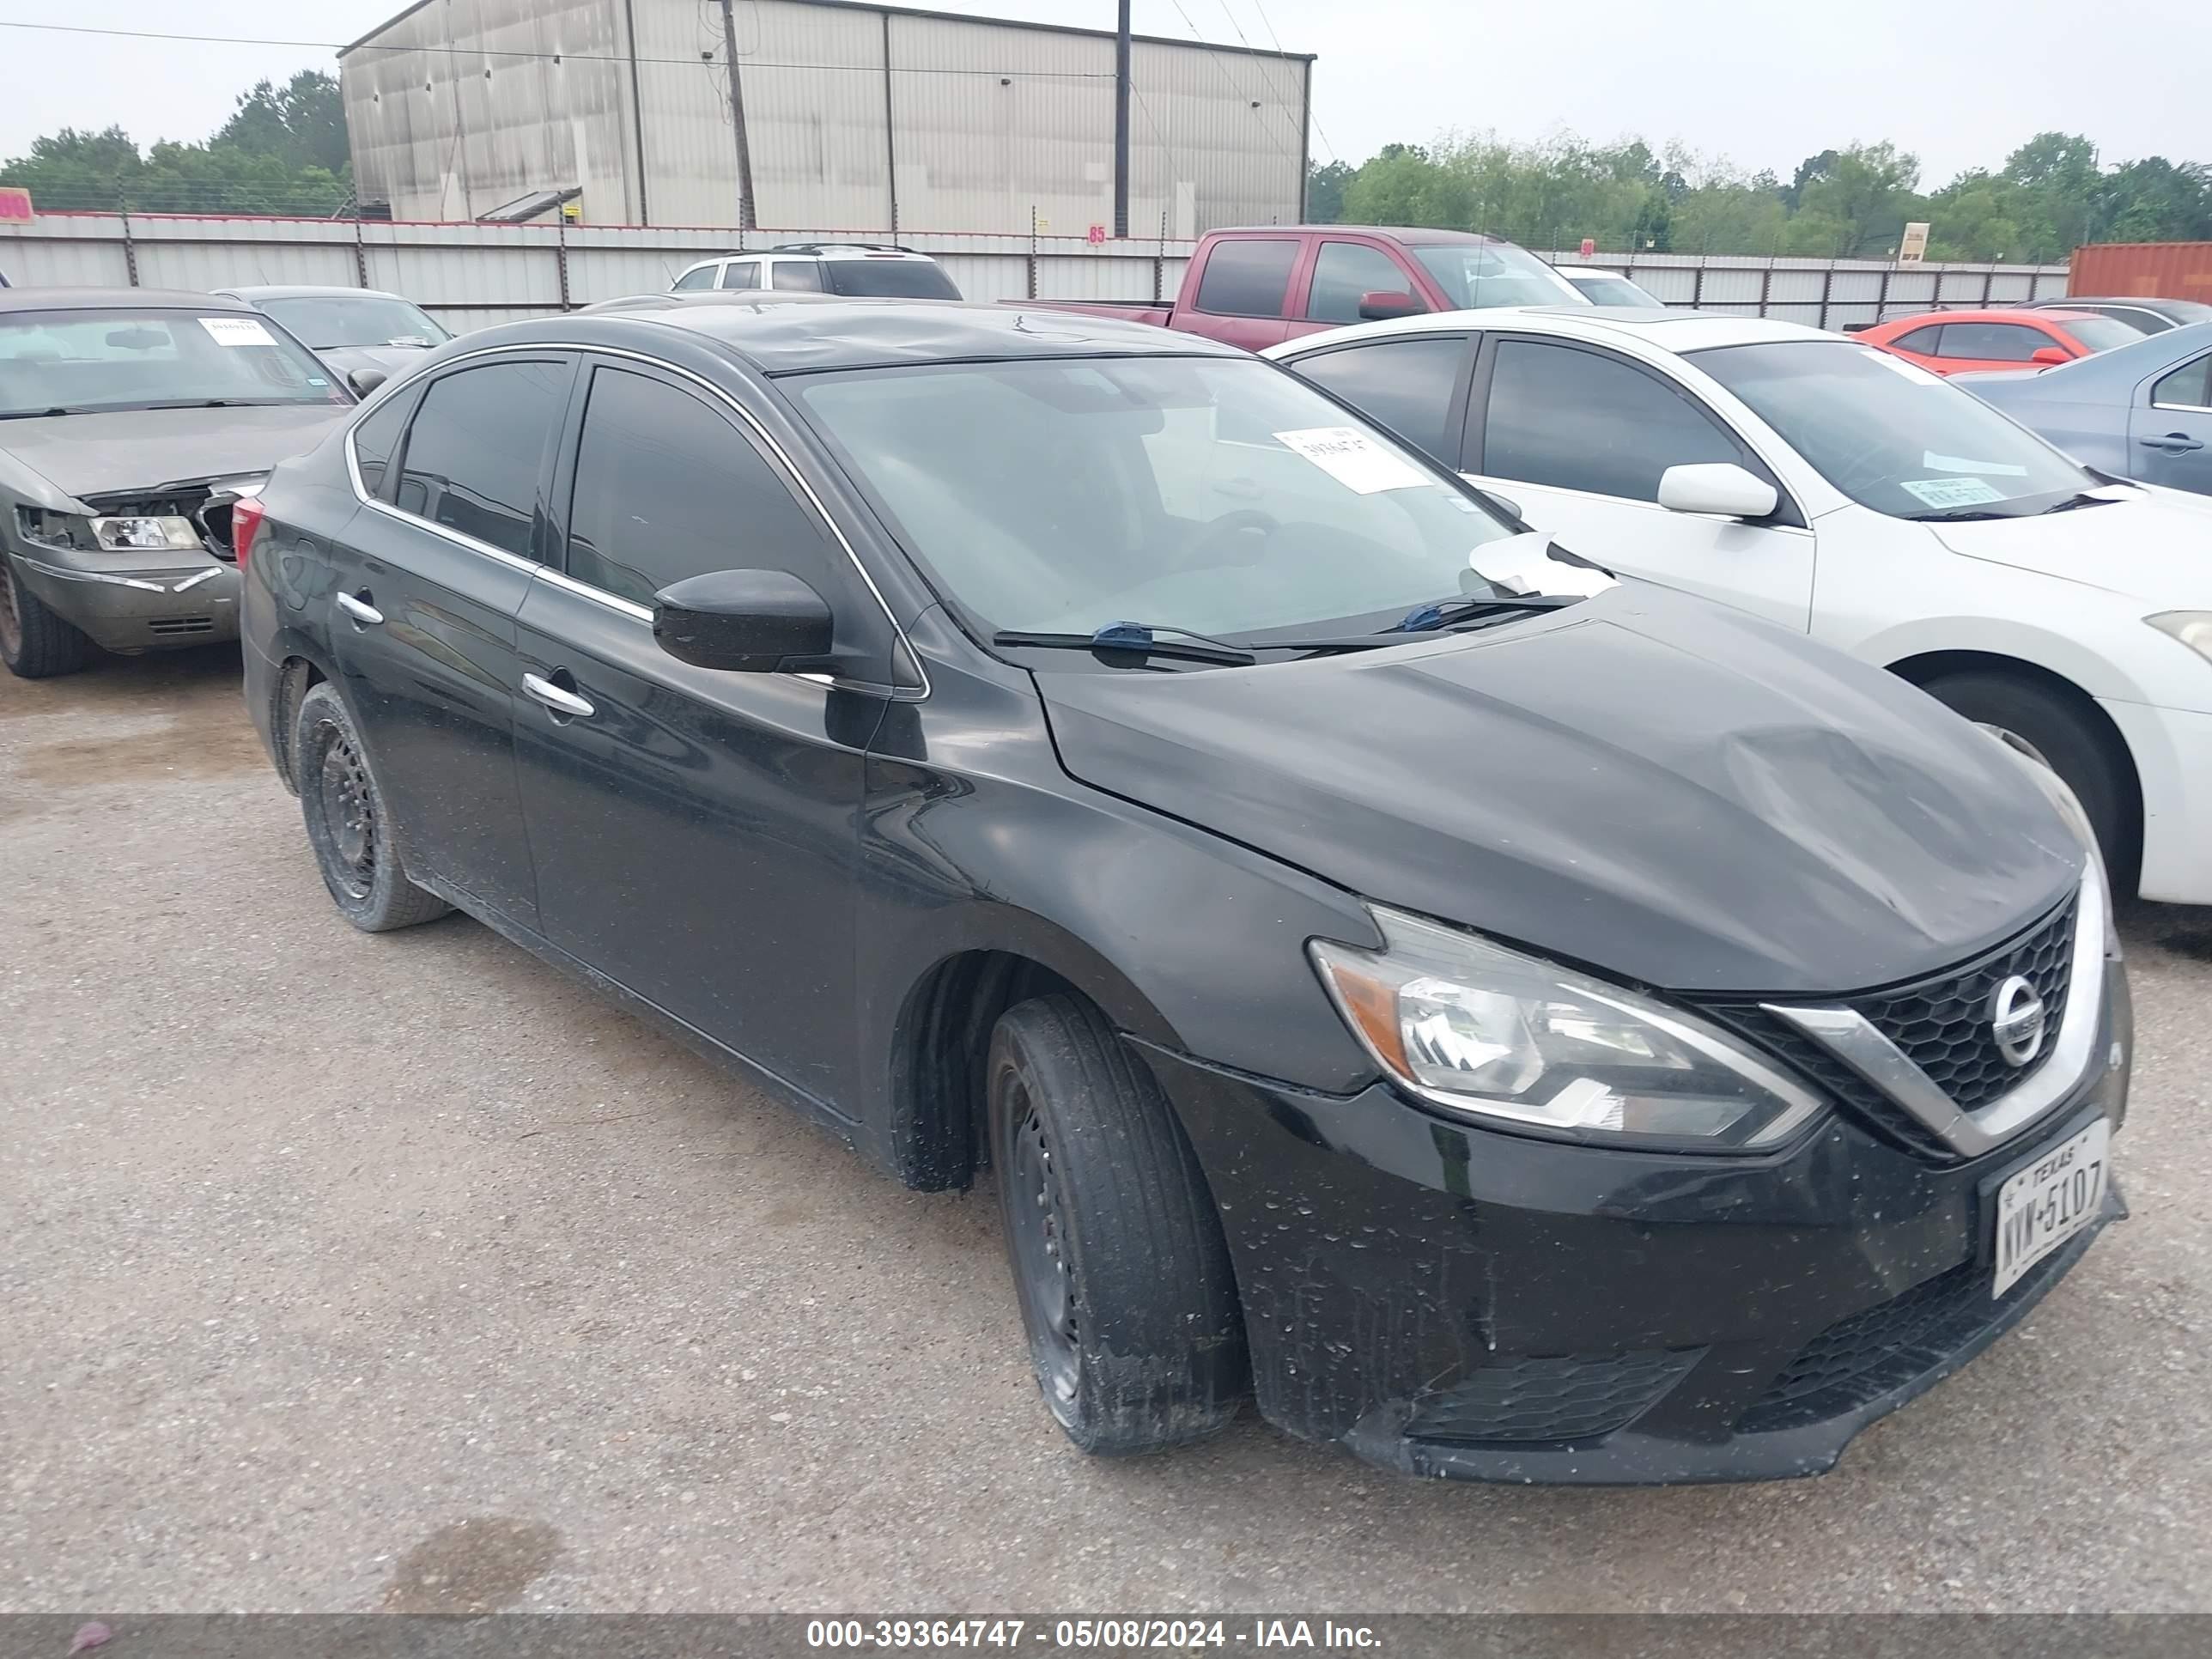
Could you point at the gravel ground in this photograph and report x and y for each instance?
(344, 1273)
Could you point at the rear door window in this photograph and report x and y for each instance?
(802, 275)
(1580, 420)
(1922, 340)
(1247, 277)
(1411, 386)
(476, 451)
(741, 273)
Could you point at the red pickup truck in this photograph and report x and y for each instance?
(1256, 286)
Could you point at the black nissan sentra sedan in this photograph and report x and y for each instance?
(1518, 1025)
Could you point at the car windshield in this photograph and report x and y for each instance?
(1891, 435)
(1473, 275)
(2099, 333)
(1215, 495)
(351, 319)
(891, 279)
(1614, 291)
(84, 362)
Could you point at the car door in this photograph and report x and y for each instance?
(1577, 436)
(1414, 384)
(1341, 273)
(696, 831)
(423, 622)
(2170, 428)
(1244, 289)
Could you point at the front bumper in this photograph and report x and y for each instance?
(1450, 1301)
(2173, 752)
(192, 600)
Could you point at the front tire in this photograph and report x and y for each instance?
(2054, 730)
(35, 642)
(348, 825)
(1127, 1297)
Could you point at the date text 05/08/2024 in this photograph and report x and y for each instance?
(1073, 1635)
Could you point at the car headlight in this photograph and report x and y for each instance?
(120, 533)
(2192, 627)
(1523, 1043)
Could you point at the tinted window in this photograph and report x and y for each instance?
(363, 319)
(2007, 342)
(701, 277)
(741, 273)
(1922, 340)
(1345, 270)
(375, 435)
(666, 487)
(898, 279)
(802, 274)
(1246, 278)
(1574, 419)
(2100, 333)
(2189, 385)
(476, 446)
(1406, 385)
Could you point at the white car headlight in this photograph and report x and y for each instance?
(1496, 1035)
(120, 533)
(2192, 627)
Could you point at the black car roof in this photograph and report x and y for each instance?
(115, 299)
(878, 333)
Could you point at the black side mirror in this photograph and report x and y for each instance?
(748, 621)
(364, 381)
(1382, 304)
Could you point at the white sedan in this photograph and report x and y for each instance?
(1849, 495)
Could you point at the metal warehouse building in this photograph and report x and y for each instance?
(847, 116)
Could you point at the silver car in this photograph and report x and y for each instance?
(351, 329)
(132, 421)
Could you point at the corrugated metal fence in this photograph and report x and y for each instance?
(470, 276)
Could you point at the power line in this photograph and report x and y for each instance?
(1213, 56)
(551, 57)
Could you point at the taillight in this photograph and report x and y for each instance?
(245, 520)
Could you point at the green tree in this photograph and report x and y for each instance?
(301, 123)
(1401, 185)
(1325, 191)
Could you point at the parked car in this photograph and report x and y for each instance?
(1609, 288)
(1083, 751)
(2143, 411)
(132, 423)
(351, 329)
(1259, 287)
(855, 270)
(2145, 316)
(1733, 458)
(1951, 342)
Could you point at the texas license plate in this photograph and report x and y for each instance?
(2049, 1201)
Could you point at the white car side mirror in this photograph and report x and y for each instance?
(1721, 488)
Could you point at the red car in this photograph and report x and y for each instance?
(1953, 342)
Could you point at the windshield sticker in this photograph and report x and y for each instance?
(1912, 372)
(317, 379)
(1952, 463)
(236, 331)
(1952, 492)
(1526, 564)
(1354, 460)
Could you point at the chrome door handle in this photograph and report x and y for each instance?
(360, 609)
(559, 701)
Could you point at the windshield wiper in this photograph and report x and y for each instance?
(1142, 638)
(2081, 498)
(40, 414)
(1446, 613)
(1956, 515)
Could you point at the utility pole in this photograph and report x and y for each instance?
(747, 218)
(1120, 122)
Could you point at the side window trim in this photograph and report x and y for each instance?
(1787, 514)
(564, 356)
(404, 399)
(1456, 412)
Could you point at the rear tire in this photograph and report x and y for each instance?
(35, 642)
(348, 825)
(2062, 736)
(1135, 1332)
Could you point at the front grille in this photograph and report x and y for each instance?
(1943, 1026)
(182, 625)
(1570, 1397)
(1863, 1357)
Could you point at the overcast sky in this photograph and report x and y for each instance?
(1763, 83)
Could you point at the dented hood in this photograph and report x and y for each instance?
(82, 455)
(1664, 790)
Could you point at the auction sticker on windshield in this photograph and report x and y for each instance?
(2048, 1202)
(1354, 460)
(236, 331)
(1952, 492)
